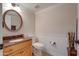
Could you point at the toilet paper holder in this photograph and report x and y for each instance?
(52, 43)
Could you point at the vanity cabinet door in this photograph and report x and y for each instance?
(9, 50)
(19, 53)
(28, 51)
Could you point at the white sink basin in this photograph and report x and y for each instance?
(17, 40)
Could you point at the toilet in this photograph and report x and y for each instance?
(37, 47)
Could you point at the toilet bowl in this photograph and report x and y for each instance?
(38, 48)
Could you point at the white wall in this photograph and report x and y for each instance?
(28, 21)
(1, 32)
(53, 24)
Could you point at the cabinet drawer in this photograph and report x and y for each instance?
(11, 49)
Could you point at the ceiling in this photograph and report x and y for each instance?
(34, 7)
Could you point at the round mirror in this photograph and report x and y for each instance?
(12, 20)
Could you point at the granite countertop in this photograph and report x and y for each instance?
(7, 43)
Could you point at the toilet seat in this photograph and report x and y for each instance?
(38, 45)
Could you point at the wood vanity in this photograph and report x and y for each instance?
(16, 47)
(22, 48)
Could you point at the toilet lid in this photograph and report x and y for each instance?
(38, 45)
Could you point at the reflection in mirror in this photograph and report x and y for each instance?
(12, 20)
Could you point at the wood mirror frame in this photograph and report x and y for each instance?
(5, 25)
